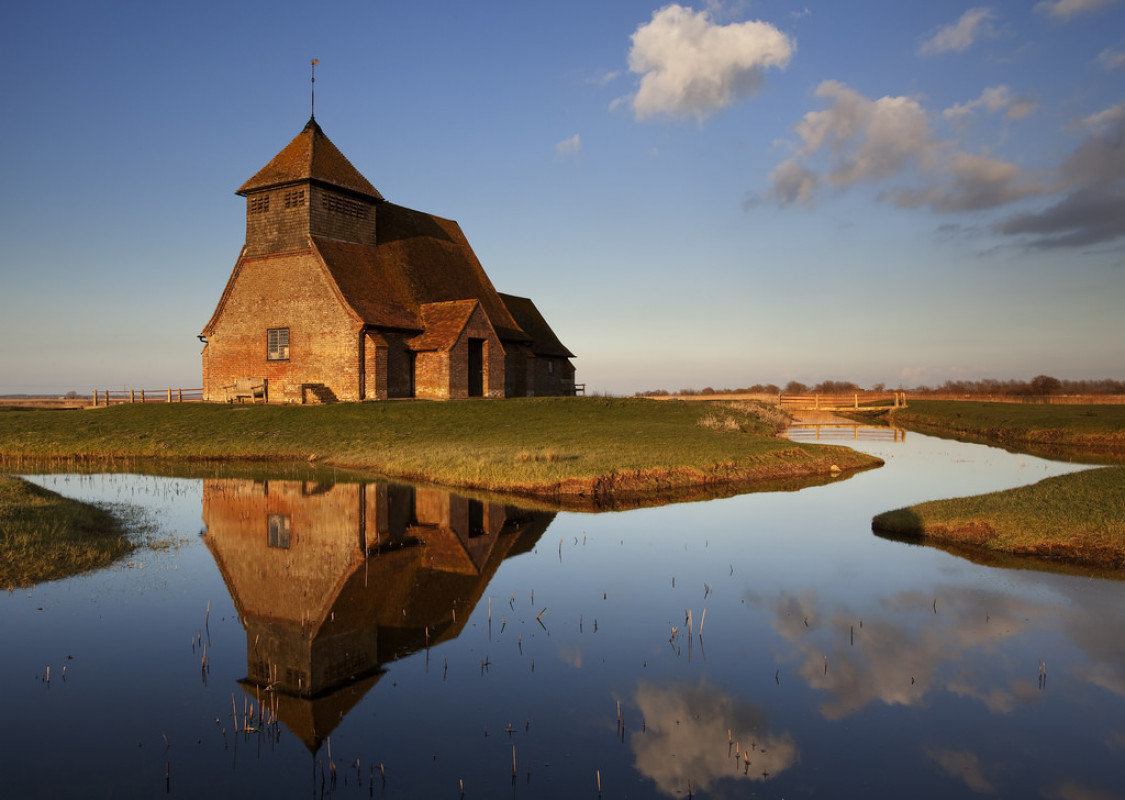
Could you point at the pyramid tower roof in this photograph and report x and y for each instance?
(311, 156)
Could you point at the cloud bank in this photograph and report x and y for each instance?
(890, 143)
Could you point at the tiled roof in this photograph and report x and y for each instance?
(527, 316)
(376, 290)
(435, 264)
(311, 156)
(420, 259)
(443, 324)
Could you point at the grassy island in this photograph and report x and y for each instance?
(1077, 518)
(550, 448)
(44, 536)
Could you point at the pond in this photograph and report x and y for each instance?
(309, 638)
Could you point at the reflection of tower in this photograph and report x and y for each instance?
(332, 581)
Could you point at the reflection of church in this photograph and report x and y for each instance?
(331, 581)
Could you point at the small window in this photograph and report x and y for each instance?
(260, 204)
(295, 198)
(550, 367)
(277, 344)
(279, 531)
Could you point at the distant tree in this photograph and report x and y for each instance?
(879, 387)
(835, 387)
(72, 395)
(1045, 384)
(707, 390)
(795, 387)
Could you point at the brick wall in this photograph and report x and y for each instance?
(285, 291)
(444, 374)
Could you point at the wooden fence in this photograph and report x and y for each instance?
(867, 401)
(109, 397)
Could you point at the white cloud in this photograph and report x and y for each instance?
(958, 37)
(1020, 107)
(1111, 59)
(866, 139)
(693, 67)
(993, 100)
(1065, 9)
(571, 146)
(793, 183)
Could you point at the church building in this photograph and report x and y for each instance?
(339, 294)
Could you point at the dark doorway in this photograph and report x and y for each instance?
(476, 368)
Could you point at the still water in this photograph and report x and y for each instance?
(311, 639)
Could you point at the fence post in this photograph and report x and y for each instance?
(132, 395)
(180, 395)
(95, 398)
(856, 397)
(816, 398)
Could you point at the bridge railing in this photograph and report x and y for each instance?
(855, 401)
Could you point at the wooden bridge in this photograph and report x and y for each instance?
(855, 401)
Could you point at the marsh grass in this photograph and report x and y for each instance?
(44, 536)
(525, 446)
(1079, 516)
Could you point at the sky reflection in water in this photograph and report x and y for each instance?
(443, 638)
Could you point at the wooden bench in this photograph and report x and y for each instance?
(246, 390)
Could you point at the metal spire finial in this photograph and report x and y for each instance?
(312, 110)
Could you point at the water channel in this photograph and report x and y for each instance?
(304, 638)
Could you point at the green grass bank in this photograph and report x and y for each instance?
(1079, 517)
(1075, 431)
(44, 536)
(542, 447)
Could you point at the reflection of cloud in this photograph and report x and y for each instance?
(795, 615)
(686, 739)
(1072, 790)
(571, 656)
(895, 664)
(963, 765)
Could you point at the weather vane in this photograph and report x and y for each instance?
(312, 109)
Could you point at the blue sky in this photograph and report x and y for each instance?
(717, 194)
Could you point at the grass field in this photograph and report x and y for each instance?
(1076, 517)
(544, 447)
(44, 536)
